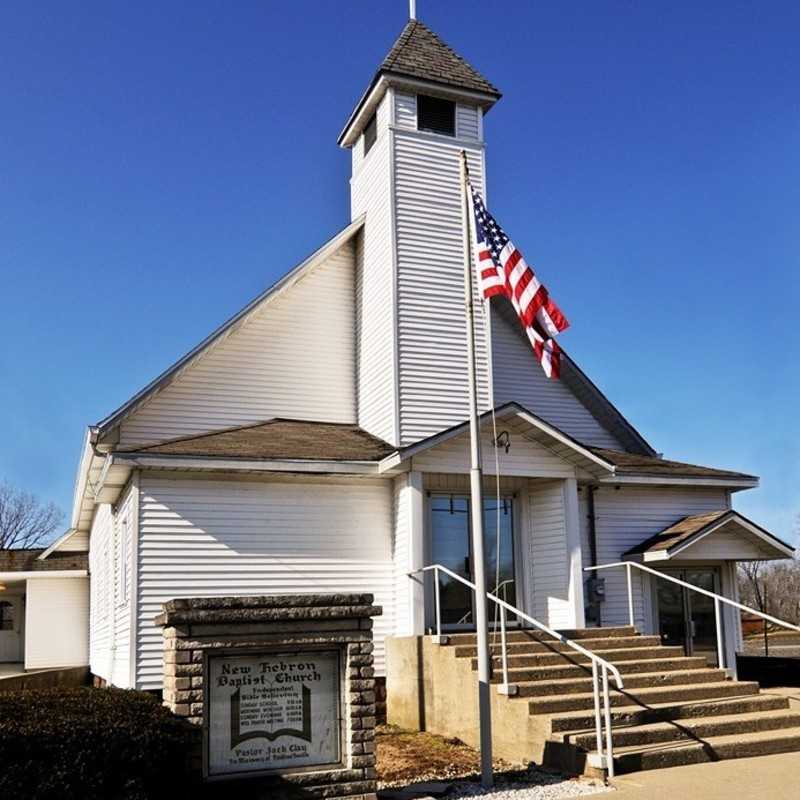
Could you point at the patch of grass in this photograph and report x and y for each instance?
(405, 757)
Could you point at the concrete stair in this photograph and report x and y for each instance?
(673, 709)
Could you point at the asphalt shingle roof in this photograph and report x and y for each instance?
(420, 53)
(27, 560)
(278, 438)
(636, 464)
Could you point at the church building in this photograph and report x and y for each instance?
(283, 457)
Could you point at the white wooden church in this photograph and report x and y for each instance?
(279, 457)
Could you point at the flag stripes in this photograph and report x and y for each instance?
(502, 270)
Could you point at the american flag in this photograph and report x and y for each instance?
(502, 271)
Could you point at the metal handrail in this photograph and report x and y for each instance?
(718, 599)
(600, 667)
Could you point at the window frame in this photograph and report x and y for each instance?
(516, 509)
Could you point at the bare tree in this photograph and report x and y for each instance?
(24, 520)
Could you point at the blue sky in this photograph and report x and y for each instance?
(163, 162)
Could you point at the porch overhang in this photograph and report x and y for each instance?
(724, 535)
(528, 425)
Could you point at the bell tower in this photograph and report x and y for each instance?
(424, 105)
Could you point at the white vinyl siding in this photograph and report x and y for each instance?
(101, 582)
(432, 350)
(467, 124)
(295, 357)
(518, 377)
(56, 623)
(547, 554)
(625, 517)
(122, 555)
(77, 543)
(725, 544)
(201, 538)
(405, 110)
(524, 458)
(374, 289)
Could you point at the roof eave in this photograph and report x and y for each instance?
(385, 78)
(733, 483)
(229, 464)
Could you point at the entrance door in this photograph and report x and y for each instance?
(686, 618)
(10, 628)
(450, 547)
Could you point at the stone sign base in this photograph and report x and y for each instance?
(282, 687)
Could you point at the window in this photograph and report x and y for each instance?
(437, 115)
(370, 134)
(6, 616)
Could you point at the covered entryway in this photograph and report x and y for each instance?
(702, 550)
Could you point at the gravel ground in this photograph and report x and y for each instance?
(532, 786)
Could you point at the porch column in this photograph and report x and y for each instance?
(574, 555)
(416, 550)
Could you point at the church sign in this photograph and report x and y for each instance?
(269, 711)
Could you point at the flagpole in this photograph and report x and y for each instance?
(476, 503)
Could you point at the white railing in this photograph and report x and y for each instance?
(600, 667)
(718, 601)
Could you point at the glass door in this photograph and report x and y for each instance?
(702, 627)
(450, 547)
(686, 618)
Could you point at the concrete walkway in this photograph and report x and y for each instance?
(763, 778)
(9, 669)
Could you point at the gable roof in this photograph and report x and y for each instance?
(420, 53)
(277, 439)
(559, 443)
(689, 530)
(228, 327)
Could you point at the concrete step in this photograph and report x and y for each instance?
(554, 646)
(693, 729)
(715, 748)
(528, 635)
(644, 697)
(559, 671)
(614, 656)
(632, 682)
(583, 720)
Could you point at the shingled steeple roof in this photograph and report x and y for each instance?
(420, 53)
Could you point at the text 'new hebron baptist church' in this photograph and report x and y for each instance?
(272, 459)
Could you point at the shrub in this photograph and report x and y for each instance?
(91, 743)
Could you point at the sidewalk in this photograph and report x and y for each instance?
(763, 778)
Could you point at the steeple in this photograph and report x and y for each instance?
(419, 54)
(423, 107)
